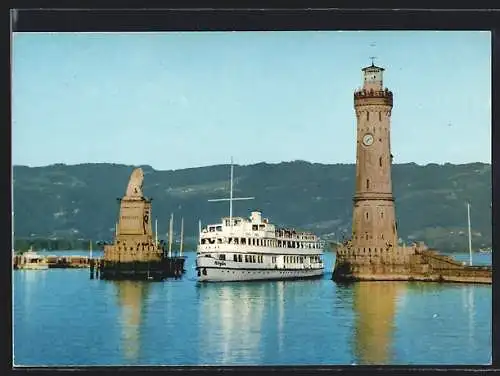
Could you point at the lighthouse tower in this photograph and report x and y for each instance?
(374, 222)
(373, 248)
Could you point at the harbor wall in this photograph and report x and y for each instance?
(406, 264)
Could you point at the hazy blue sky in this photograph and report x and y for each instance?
(177, 100)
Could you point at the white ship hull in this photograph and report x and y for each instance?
(212, 270)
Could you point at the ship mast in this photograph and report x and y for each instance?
(231, 198)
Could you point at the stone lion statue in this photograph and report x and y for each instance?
(134, 188)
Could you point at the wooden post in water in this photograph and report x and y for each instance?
(91, 261)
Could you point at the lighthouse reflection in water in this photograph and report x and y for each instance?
(306, 322)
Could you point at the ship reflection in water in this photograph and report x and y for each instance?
(234, 321)
(131, 297)
(58, 313)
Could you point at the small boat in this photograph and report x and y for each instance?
(32, 261)
(485, 250)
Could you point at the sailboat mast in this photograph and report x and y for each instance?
(470, 238)
(90, 250)
(231, 197)
(156, 232)
(170, 234)
(182, 236)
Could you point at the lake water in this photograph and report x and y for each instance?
(61, 317)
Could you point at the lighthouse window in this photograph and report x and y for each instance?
(366, 215)
(367, 183)
(367, 115)
(380, 161)
(380, 116)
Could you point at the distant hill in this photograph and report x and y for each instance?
(79, 201)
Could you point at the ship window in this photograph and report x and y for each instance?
(235, 257)
(211, 229)
(253, 258)
(240, 258)
(235, 240)
(229, 240)
(243, 240)
(203, 241)
(219, 241)
(246, 258)
(255, 227)
(219, 228)
(261, 227)
(222, 257)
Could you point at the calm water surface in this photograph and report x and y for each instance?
(61, 317)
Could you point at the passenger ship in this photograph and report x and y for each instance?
(243, 249)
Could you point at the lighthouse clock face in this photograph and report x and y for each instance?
(367, 139)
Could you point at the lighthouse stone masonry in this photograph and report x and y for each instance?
(373, 252)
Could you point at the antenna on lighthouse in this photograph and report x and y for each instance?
(372, 59)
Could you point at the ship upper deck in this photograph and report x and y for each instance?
(254, 226)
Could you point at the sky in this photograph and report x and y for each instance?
(191, 99)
